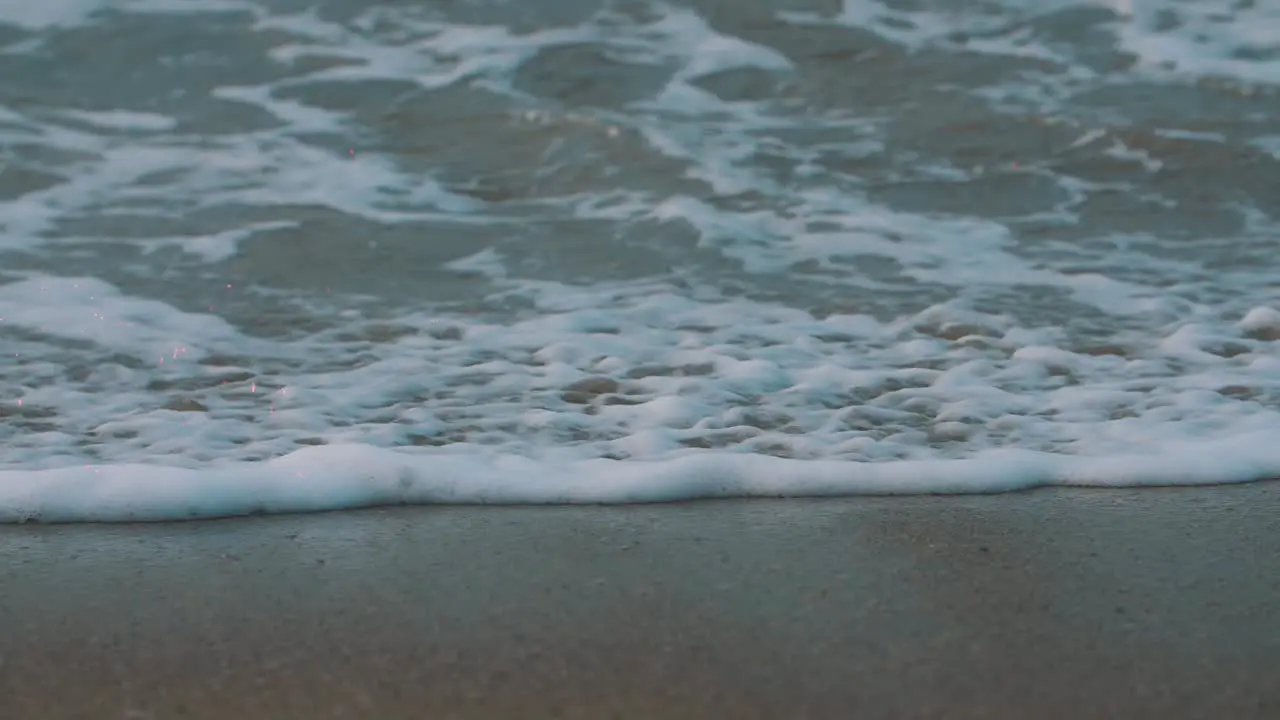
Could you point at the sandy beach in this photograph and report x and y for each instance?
(1054, 604)
(267, 256)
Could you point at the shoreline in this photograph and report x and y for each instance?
(1133, 603)
(355, 476)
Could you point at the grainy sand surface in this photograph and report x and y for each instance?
(1051, 604)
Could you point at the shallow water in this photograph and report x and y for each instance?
(606, 251)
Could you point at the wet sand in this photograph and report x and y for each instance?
(1050, 604)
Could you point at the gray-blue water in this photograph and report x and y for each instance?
(552, 232)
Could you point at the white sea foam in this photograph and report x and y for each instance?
(1239, 41)
(90, 310)
(1179, 38)
(65, 13)
(686, 397)
(124, 120)
(347, 476)
(40, 15)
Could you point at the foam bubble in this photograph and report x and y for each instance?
(1223, 39)
(337, 477)
(35, 16)
(124, 120)
(87, 309)
(67, 13)
(689, 398)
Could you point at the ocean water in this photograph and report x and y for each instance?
(287, 255)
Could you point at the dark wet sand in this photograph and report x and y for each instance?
(1053, 604)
